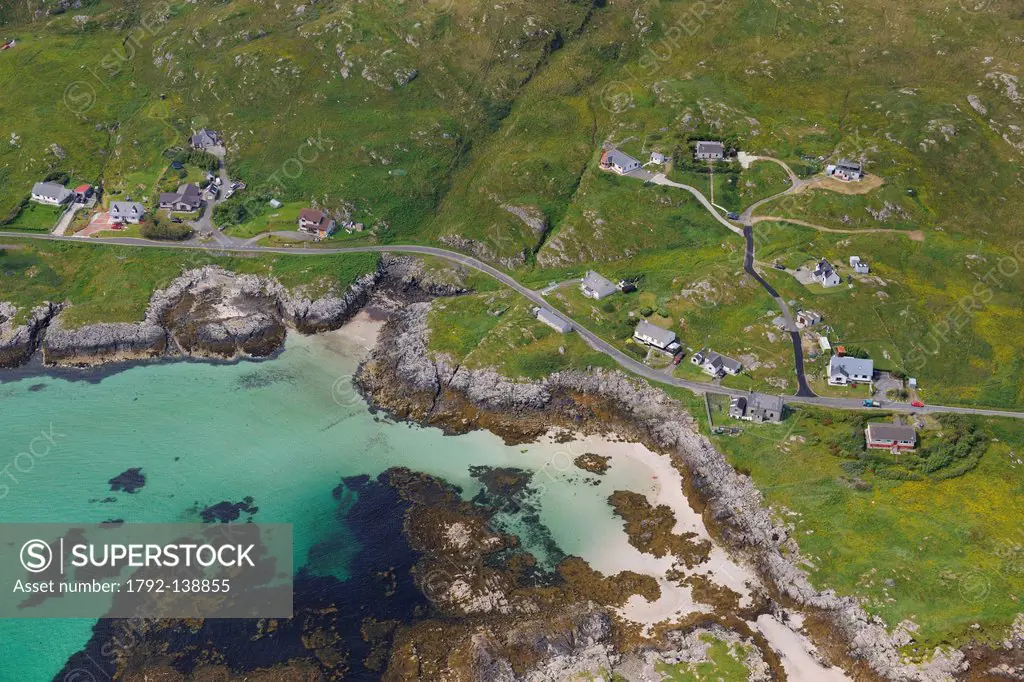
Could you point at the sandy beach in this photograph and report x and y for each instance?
(653, 475)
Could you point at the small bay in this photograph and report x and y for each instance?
(283, 432)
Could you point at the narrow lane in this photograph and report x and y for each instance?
(803, 389)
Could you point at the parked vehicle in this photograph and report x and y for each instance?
(872, 403)
(176, 220)
(917, 403)
(732, 216)
(780, 266)
(677, 359)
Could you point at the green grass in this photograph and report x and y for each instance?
(763, 179)
(945, 554)
(905, 313)
(725, 663)
(272, 220)
(114, 284)
(497, 329)
(35, 217)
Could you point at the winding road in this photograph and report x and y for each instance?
(592, 339)
(747, 232)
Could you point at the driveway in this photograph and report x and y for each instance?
(100, 222)
(66, 218)
(205, 222)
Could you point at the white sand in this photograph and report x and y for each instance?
(634, 467)
(637, 468)
(355, 338)
(795, 652)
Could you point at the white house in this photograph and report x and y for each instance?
(655, 336)
(807, 318)
(844, 370)
(619, 162)
(706, 150)
(596, 287)
(658, 158)
(825, 275)
(859, 266)
(131, 212)
(716, 364)
(845, 170)
(51, 193)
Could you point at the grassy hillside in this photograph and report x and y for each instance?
(945, 553)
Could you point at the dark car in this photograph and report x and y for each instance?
(176, 220)
(780, 266)
(677, 359)
(732, 216)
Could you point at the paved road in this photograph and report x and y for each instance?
(803, 389)
(592, 339)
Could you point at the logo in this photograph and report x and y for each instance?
(36, 556)
(616, 97)
(79, 97)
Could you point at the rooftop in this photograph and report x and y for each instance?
(886, 432)
(598, 284)
(614, 157)
(653, 331)
(844, 364)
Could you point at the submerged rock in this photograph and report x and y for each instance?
(130, 481)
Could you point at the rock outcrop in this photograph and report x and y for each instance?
(19, 342)
(206, 312)
(402, 378)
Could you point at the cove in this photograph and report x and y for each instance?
(272, 441)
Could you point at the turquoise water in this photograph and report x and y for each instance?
(284, 431)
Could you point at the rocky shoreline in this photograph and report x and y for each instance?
(404, 380)
(205, 313)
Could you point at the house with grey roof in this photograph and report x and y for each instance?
(825, 274)
(709, 150)
(844, 370)
(716, 364)
(656, 337)
(204, 138)
(890, 436)
(757, 407)
(131, 212)
(51, 193)
(552, 320)
(596, 287)
(859, 266)
(620, 162)
(187, 198)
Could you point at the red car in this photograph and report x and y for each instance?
(917, 403)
